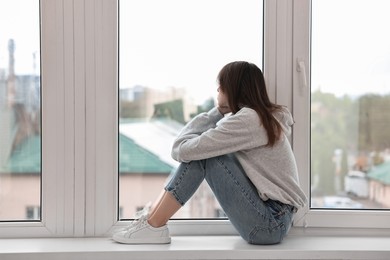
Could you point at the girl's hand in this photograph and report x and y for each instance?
(224, 109)
(222, 99)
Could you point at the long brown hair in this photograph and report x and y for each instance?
(244, 85)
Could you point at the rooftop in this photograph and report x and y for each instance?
(380, 173)
(144, 148)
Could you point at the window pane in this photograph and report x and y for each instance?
(20, 123)
(170, 54)
(350, 104)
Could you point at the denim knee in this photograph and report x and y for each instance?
(185, 181)
(267, 236)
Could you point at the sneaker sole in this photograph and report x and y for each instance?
(158, 240)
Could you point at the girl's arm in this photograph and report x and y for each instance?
(203, 138)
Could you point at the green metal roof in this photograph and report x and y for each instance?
(26, 158)
(380, 173)
(135, 159)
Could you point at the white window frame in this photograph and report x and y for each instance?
(79, 101)
(54, 103)
(357, 219)
(80, 113)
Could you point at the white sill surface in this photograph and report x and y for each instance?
(296, 246)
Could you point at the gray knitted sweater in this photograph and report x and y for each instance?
(272, 170)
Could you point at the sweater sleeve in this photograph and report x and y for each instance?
(203, 138)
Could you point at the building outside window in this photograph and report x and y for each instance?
(20, 110)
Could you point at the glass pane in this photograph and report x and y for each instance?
(350, 104)
(20, 111)
(170, 54)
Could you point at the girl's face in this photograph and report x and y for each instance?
(222, 98)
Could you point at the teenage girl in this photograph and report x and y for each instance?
(246, 159)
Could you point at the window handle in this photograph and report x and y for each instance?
(301, 68)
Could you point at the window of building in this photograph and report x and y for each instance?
(170, 53)
(33, 212)
(20, 110)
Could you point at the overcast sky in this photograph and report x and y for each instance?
(19, 20)
(351, 46)
(185, 43)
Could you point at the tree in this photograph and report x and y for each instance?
(374, 122)
(331, 130)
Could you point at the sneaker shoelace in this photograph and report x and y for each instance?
(144, 211)
(139, 217)
(137, 224)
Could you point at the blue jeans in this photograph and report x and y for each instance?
(257, 221)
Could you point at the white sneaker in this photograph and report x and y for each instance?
(141, 232)
(137, 215)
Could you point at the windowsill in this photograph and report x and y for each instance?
(298, 245)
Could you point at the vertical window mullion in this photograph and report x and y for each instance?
(53, 108)
(301, 108)
(58, 117)
(68, 177)
(80, 117)
(90, 117)
(278, 65)
(101, 115)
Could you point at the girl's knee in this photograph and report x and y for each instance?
(265, 236)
